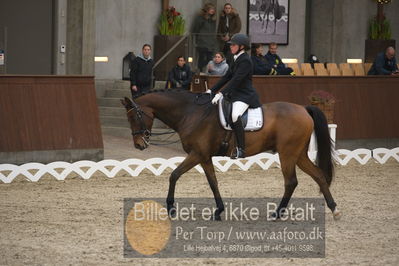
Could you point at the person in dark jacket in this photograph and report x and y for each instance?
(275, 61)
(204, 30)
(259, 62)
(180, 76)
(229, 24)
(385, 64)
(238, 89)
(141, 71)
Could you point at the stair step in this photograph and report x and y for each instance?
(121, 121)
(112, 111)
(121, 85)
(109, 102)
(126, 132)
(159, 85)
(117, 93)
(116, 131)
(114, 121)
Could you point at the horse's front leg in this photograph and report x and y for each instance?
(265, 17)
(191, 160)
(213, 183)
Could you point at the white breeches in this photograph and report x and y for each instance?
(238, 109)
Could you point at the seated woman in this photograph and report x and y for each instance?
(180, 76)
(218, 65)
(259, 62)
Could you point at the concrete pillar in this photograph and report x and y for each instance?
(89, 37)
(80, 37)
(322, 29)
(60, 26)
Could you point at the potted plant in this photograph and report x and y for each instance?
(171, 29)
(325, 101)
(379, 33)
(171, 22)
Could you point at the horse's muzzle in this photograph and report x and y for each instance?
(143, 145)
(140, 147)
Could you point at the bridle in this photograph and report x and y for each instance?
(143, 128)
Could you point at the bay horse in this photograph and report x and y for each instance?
(287, 130)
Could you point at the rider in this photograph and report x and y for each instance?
(239, 89)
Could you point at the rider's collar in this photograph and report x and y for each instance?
(237, 55)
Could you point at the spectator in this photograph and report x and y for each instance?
(275, 61)
(204, 29)
(229, 24)
(218, 65)
(259, 62)
(385, 64)
(141, 71)
(180, 76)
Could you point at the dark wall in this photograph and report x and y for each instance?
(28, 37)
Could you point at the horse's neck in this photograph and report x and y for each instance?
(167, 109)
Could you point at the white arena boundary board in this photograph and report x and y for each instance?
(110, 168)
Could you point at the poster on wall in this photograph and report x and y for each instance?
(268, 21)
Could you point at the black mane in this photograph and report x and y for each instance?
(184, 94)
(194, 100)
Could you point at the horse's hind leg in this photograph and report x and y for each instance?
(213, 183)
(290, 182)
(191, 160)
(267, 22)
(306, 165)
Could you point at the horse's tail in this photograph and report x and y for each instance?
(324, 145)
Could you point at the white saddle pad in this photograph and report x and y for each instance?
(255, 118)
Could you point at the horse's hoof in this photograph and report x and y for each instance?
(274, 217)
(337, 214)
(216, 216)
(172, 212)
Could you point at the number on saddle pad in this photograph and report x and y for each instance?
(252, 118)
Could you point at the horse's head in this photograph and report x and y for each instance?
(140, 119)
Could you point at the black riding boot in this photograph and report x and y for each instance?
(239, 151)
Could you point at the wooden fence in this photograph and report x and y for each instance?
(367, 107)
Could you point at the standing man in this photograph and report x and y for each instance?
(229, 24)
(204, 31)
(275, 61)
(385, 64)
(141, 72)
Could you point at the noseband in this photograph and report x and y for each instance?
(143, 131)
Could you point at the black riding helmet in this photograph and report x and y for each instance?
(240, 39)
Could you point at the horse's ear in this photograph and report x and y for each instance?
(127, 103)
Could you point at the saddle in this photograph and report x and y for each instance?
(252, 119)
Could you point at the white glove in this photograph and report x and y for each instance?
(216, 99)
(208, 91)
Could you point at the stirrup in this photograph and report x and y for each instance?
(237, 153)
